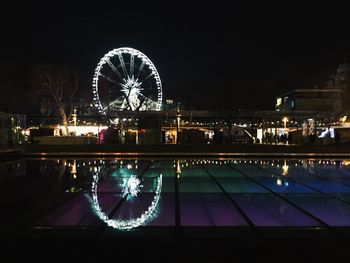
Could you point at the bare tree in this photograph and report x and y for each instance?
(60, 84)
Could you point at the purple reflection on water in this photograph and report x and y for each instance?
(163, 216)
(110, 185)
(78, 212)
(166, 212)
(208, 210)
(329, 210)
(269, 210)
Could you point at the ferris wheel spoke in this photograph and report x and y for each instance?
(140, 69)
(109, 79)
(121, 59)
(109, 106)
(132, 65)
(146, 87)
(143, 96)
(114, 68)
(150, 75)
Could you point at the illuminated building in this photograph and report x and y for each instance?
(333, 96)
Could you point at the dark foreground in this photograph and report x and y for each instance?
(180, 249)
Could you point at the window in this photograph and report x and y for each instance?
(279, 101)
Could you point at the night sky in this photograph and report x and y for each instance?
(237, 57)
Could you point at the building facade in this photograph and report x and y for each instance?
(333, 97)
(318, 99)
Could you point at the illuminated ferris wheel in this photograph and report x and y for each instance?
(126, 79)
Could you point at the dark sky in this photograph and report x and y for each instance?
(238, 56)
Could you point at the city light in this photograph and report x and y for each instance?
(285, 120)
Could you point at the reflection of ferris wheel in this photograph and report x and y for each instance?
(125, 79)
(130, 186)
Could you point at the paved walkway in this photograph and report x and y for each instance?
(224, 150)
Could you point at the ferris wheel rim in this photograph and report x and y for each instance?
(130, 77)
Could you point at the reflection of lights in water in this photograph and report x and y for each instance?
(131, 186)
(178, 168)
(279, 181)
(345, 162)
(130, 223)
(73, 170)
(285, 168)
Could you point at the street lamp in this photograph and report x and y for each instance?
(285, 119)
(178, 116)
(75, 117)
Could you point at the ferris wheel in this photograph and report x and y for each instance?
(126, 79)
